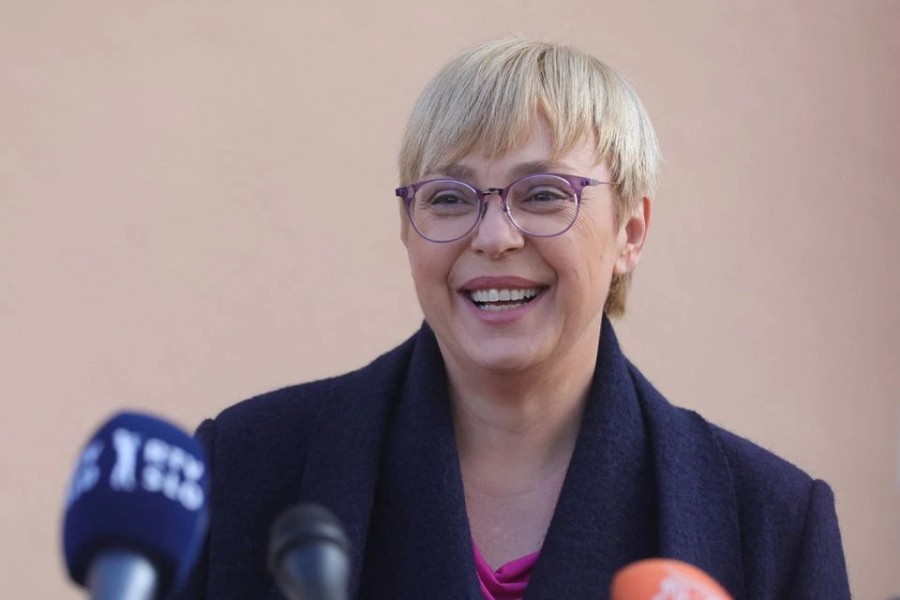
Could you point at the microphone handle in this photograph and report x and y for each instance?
(122, 575)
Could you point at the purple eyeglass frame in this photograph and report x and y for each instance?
(577, 182)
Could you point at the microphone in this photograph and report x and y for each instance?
(665, 579)
(136, 511)
(309, 554)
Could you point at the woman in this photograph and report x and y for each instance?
(509, 445)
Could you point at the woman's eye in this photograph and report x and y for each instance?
(446, 198)
(543, 197)
(447, 202)
(546, 195)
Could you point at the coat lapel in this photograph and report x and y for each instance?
(605, 517)
(420, 545)
(383, 458)
(698, 513)
(646, 479)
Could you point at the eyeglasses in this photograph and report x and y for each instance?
(446, 210)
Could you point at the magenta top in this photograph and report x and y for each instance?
(509, 581)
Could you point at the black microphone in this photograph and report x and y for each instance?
(136, 513)
(309, 554)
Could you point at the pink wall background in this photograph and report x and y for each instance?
(171, 239)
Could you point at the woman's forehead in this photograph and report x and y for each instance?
(539, 153)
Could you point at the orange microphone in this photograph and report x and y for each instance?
(665, 579)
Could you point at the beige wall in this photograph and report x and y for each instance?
(195, 206)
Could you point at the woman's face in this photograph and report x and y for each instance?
(565, 279)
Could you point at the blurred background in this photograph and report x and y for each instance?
(196, 206)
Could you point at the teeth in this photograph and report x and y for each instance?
(504, 295)
(499, 307)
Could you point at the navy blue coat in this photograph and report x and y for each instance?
(376, 446)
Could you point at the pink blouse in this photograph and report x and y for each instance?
(509, 581)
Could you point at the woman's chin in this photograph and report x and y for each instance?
(505, 357)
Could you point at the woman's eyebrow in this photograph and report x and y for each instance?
(458, 171)
(538, 166)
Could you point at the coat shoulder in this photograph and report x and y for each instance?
(760, 473)
(291, 411)
(790, 531)
(756, 471)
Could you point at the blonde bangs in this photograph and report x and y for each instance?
(481, 101)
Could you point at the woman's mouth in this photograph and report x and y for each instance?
(499, 299)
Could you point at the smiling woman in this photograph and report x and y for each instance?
(508, 449)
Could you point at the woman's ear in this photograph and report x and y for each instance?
(633, 233)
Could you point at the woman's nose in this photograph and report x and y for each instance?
(495, 234)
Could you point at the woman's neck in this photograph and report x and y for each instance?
(516, 435)
(516, 430)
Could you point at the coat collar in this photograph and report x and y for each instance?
(361, 423)
(698, 510)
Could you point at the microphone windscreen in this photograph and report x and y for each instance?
(140, 484)
(665, 579)
(309, 554)
(305, 524)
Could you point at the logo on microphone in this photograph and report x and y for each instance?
(151, 465)
(174, 472)
(678, 586)
(126, 443)
(87, 474)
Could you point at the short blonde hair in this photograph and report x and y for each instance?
(486, 100)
